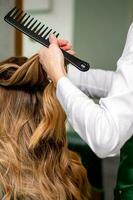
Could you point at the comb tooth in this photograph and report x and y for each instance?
(33, 24)
(36, 27)
(28, 22)
(26, 19)
(43, 31)
(19, 14)
(12, 11)
(47, 33)
(15, 13)
(37, 32)
(57, 35)
(23, 16)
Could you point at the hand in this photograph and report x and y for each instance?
(52, 60)
(66, 46)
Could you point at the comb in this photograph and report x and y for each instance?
(40, 33)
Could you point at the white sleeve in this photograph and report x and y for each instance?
(107, 126)
(94, 83)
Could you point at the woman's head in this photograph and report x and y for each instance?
(35, 162)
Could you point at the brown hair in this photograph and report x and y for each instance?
(35, 163)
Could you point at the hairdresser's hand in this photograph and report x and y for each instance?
(66, 46)
(52, 60)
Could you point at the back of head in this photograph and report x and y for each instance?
(35, 163)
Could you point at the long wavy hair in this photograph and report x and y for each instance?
(35, 163)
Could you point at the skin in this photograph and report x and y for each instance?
(52, 58)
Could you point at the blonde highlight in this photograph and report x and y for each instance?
(35, 162)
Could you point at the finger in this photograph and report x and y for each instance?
(72, 52)
(62, 42)
(67, 47)
(53, 39)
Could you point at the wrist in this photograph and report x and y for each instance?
(58, 78)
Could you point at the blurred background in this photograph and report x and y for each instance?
(97, 31)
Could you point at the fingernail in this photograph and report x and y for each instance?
(53, 39)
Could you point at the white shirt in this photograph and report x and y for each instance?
(106, 126)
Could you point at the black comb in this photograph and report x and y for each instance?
(39, 32)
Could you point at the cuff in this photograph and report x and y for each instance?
(74, 74)
(66, 90)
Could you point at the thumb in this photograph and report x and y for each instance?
(53, 39)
